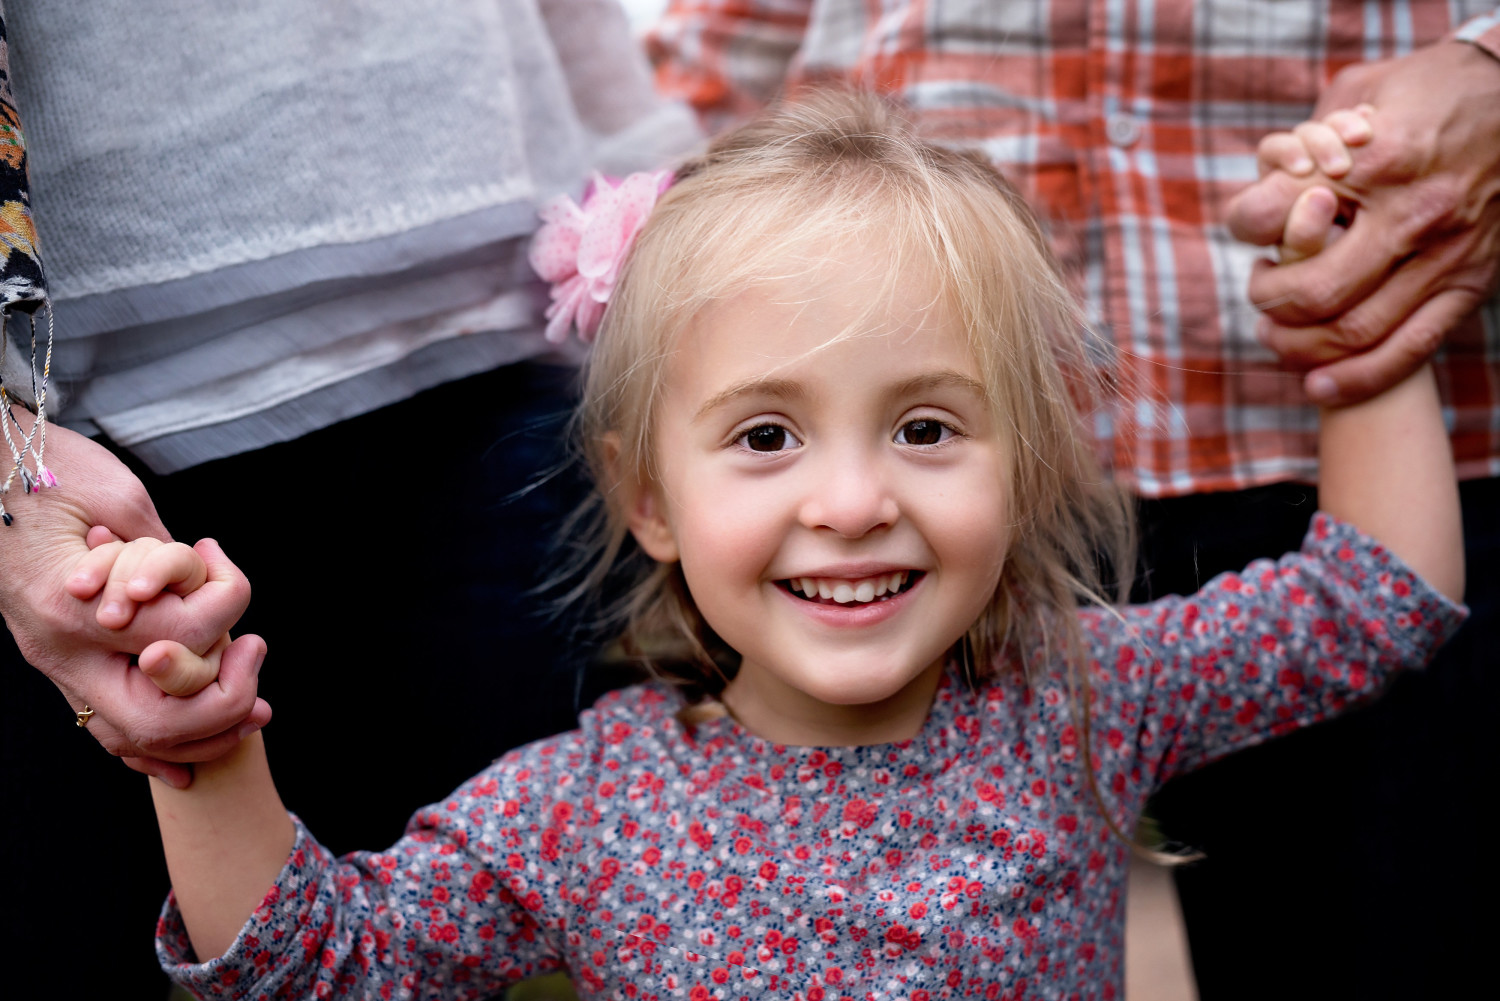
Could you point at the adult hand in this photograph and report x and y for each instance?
(90, 663)
(1423, 247)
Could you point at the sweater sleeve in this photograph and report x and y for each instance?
(1256, 654)
(463, 905)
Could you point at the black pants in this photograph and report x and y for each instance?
(1353, 859)
(391, 579)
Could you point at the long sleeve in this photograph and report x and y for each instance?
(464, 904)
(1256, 654)
(726, 58)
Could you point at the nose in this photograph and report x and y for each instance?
(851, 493)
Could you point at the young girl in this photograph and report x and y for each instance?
(834, 400)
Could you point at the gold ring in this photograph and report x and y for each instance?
(83, 715)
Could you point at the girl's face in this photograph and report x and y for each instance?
(838, 505)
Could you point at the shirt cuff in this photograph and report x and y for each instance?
(1483, 32)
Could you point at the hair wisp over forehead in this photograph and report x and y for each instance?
(779, 201)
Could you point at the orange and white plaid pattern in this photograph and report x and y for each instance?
(1129, 124)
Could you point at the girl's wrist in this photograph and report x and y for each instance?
(214, 772)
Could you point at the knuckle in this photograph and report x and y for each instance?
(1318, 297)
(1421, 341)
(1438, 204)
(1356, 331)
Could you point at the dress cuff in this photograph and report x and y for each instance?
(1410, 619)
(221, 977)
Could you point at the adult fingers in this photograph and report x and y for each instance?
(1393, 359)
(138, 719)
(178, 670)
(1258, 213)
(174, 775)
(1309, 224)
(1311, 291)
(1383, 311)
(98, 535)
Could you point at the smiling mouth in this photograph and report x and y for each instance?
(849, 593)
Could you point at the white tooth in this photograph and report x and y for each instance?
(880, 586)
(824, 591)
(843, 593)
(809, 587)
(893, 583)
(900, 579)
(864, 592)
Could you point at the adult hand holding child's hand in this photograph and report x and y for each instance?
(1424, 246)
(89, 660)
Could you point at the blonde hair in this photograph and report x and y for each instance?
(767, 202)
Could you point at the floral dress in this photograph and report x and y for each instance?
(654, 860)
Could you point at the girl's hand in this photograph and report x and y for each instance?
(1318, 216)
(127, 574)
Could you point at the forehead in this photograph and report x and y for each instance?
(848, 321)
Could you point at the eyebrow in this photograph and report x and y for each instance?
(788, 389)
(781, 389)
(946, 379)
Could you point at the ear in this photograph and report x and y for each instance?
(644, 509)
(648, 522)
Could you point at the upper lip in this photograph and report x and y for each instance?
(853, 570)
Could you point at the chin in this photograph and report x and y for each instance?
(857, 686)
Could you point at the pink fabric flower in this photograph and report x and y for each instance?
(580, 249)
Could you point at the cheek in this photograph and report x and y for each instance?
(723, 536)
(976, 535)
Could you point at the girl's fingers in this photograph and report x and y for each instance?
(143, 569)
(116, 606)
(1310, 224)
(170, 567)
(92, 571)
(1283, 151)
(1326, 147)
(1352, 124)
(176, 670)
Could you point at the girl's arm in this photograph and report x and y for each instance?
(226, 839)
(1386, 468)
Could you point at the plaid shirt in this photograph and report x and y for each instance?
(1129, 125)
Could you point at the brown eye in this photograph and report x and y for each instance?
(769, 438)
(923, 432)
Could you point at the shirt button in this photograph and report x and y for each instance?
(1122, 129)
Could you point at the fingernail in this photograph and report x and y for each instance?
(1301, 165)
(246, 729)
(1320, 388)
(176, 781)
(1263, 331)
(139, 582)
(1339, 164)
(113, 608)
